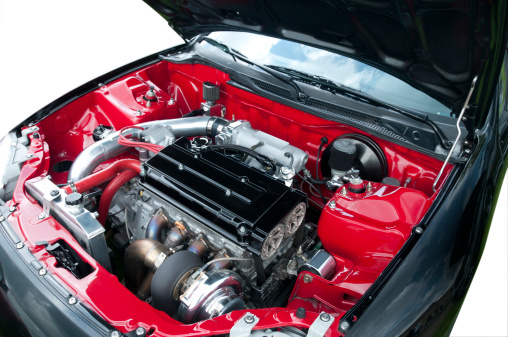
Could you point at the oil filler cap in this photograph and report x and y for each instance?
(74, 199)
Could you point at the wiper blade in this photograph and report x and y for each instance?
(301, 96)
(329, 85)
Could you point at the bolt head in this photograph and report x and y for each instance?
(228, 193)
(140, 331)
(2, 218)
(242, 229)
(180, 167)
(419, 230)
(332, 204)
(12, 209)
(42, 271)
(29, 155)
(54, 193)
(72, 300)
(249, 319)
(307, 279)
(344, 326)
(34, 128)
(324, 317)
(19, 245)
(41, 216)
(115, 334)
(285, 169)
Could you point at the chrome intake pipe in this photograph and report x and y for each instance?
(107, 148)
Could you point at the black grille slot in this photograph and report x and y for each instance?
(322, 105)
(276, 90)
(372, 122)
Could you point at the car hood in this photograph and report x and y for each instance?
(436, 46)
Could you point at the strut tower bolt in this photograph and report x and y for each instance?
(307, 279)
(249, 319)
(343, 191)
(324, 317)
(140, 331)
(332, 204)
(19, 245)
(72, 300)
(344, 326)
(42, 272)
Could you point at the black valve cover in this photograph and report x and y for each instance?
(220, 191)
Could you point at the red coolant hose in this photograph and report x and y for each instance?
(105, 175)
(110, 191)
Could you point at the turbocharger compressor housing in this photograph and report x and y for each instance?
(214, 293)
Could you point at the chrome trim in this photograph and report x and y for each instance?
(205, 290)
(320, 263)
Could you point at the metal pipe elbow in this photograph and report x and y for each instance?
(107, 148)
(140, 257)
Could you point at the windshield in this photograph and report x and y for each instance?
(340, 69)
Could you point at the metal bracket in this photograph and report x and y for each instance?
(243, 327)
(321, 325)
(23, 140)
(459, 119)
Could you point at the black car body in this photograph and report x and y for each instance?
(421, 290)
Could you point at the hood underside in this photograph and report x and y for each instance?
(437, 46)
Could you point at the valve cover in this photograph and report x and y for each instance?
(240, 202)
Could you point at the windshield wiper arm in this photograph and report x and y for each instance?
(320, 81)
(301, 96)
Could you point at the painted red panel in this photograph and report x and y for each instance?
(363, 232)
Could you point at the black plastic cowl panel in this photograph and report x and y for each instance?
(221, 191)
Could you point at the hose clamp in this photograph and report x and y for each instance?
(158, 260)
(72, 186)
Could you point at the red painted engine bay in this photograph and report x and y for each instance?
(362, 231)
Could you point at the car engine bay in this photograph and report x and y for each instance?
(171, 196)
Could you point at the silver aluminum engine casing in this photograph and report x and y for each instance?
(242, 133)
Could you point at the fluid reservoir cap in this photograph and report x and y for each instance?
(211, 92)
(345, 146)
(74, 199)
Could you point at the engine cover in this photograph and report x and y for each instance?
(240, 202)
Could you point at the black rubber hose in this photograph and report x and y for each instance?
(316, 181)
(194, 113)
(262, 159)
(324, 141)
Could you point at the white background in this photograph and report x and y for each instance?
(48, 48)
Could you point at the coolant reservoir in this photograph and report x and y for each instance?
(369, 228)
